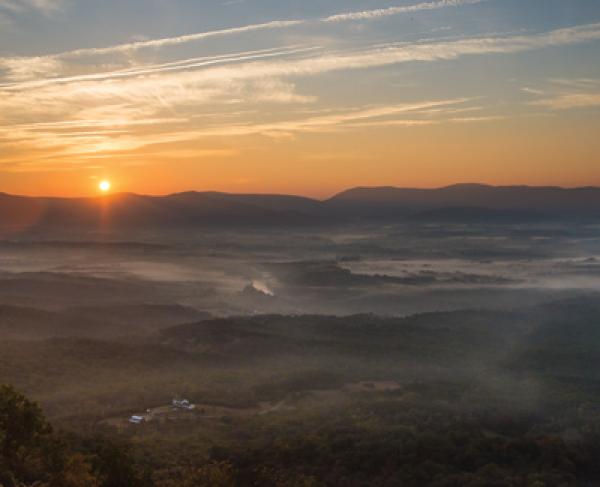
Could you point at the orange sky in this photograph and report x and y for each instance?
(306, 102)
(535, 151)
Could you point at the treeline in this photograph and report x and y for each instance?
(418, 436)
(33, 454)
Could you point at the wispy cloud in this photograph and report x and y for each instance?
(184, 39)
(92, 138)
(565, 94)
(202, 70)
(23, 72)
(16, 6)
(406, 9)
(569, 100)
(22, 68)
(347, 118)
(577, 82)
(111, 112)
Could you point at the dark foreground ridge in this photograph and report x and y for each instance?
(463, 202)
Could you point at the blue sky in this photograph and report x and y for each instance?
(253, 94)
(32, 27)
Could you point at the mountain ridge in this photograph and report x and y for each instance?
(197, 208)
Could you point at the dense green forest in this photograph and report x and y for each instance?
(464, 398)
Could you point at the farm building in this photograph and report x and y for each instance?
(182, 404)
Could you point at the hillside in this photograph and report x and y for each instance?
(127, 210)
(402, 201)
(463, 202)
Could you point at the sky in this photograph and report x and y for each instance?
(307, 97)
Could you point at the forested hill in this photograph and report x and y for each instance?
(459, 202)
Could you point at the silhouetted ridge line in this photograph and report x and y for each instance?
(460, 202)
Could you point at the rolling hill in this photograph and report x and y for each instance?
(389, 201)
(461, 202)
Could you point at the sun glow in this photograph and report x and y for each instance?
(104, 186)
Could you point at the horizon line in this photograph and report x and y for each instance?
(296, 195)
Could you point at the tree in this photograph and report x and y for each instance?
(30, 453)
(24, 432)
(114, 465)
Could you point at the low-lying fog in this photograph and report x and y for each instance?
(393, 270)
(105, 329)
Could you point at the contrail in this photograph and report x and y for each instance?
(11, 64)
(386, 12)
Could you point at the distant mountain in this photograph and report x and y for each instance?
(462, 202)
(388, 201)
(182, 209)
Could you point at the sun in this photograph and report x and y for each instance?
(104, 186)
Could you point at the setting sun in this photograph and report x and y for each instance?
(104, 186)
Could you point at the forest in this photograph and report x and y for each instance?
(456, 398)
(409, 354)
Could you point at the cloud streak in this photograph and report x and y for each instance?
(22, 68)
(95, 139)
(17, 6)
(572, 93)
(110, 113)
(174, 41)
(145, 70)
(407, 9)
(194, 70)
(567, 101)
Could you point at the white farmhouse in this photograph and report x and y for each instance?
(182, 404)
